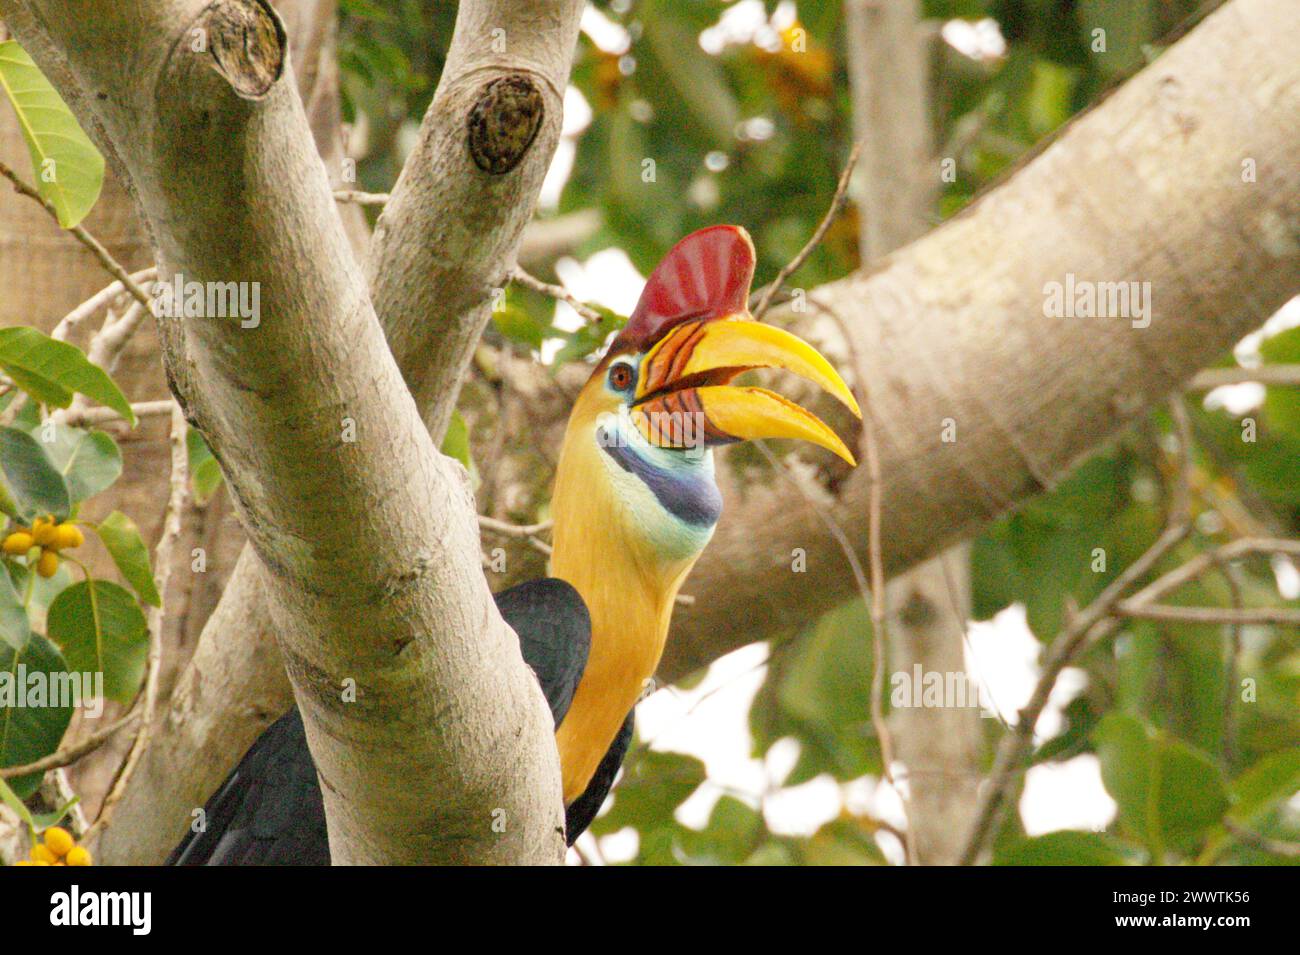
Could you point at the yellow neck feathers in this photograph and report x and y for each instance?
(608, 543)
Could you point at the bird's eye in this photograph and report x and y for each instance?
(620, 376)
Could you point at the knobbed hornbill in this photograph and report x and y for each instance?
(635, 503)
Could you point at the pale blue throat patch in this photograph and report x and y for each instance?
(671, 493)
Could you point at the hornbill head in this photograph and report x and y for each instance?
(663, 396)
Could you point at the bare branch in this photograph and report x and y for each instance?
(1083, 629)
(361, 198)
(765, 294)
(67, 755)
(92, 416)
(97, 302)
(110, 264)
(557, 292)
(1279, 375)
(162, 561)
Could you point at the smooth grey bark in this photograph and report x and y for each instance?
(1147, 186)
(370, 573)
(449, 232)
(929, 604)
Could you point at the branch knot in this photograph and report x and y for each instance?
(504, 122)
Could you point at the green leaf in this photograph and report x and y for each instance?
(8, 506)
(1168, 793)
(44, 589)
(205, 472)
(455, 444)
(818, 691)
(122, 539)
(1063, 848)
(518, 325)
(589, 337)
(699, 81)
(40, 821)
(34, 481)
(842, 841)
(1273, 779)
(44, 391)
(654, 785)
(10, 799)
(30, 732)
(88, 460)
(733, 830)
(59, 368)
(100, 629)
(15, 628)
(68, 169)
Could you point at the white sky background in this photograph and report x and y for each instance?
(711, 720)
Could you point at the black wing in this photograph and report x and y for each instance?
(554, 631)
(580, 812)
(269, 811)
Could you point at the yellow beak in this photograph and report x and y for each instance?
(688, 374)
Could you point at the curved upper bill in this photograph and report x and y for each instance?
(689, 372)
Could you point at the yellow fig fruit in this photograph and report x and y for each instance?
(44, 531)
(18, 543)
(58, 840)
(68, 535)
(48, 564)
(42, 853)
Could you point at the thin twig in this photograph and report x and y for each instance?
(1230, 666)
(837, 204)
(557, 292)
(526, 532)
(1287, 850)
(100, 300)
(84, 417)
(106, 259)
(162, 573)
(871, 597)
(70, 754)
(1279, 616)
(107, 345)
(879, 620)
(360, 198)
(507, 529)
(1265, 374)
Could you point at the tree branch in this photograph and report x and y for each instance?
(985, 401)
(298, 407)
(445, 239)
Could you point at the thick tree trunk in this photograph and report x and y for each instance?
(898, 191)
(951, 338)
(449, 232)
(45, 272)
(1159, 164)
(370, 572)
